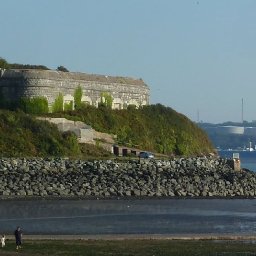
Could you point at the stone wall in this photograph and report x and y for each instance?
(191, 177)
(49, 83)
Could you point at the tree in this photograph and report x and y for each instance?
(58, 103)
(36, 105)
(62, 68)
(78, 97)
(106, 99)
(3, 63)
(27, 66)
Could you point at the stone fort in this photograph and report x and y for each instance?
(29, 83)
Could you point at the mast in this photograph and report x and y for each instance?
(242, 110)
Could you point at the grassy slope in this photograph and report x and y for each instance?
(155, 127)
(21, 135)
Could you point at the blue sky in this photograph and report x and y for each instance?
(194, 55)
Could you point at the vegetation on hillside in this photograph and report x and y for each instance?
(62, 68)
(6, 65)
(22, 135)
(3, 63)
(155, 127)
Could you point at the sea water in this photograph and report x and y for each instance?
(137, 216)
(247, 158)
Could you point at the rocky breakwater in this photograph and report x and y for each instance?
(191, 177)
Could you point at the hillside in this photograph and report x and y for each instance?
(21, 135)
(155, 127)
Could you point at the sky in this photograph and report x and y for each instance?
(197, 56)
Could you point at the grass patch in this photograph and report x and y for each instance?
(131, 248)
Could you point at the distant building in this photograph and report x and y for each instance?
(239, 130)
(225, 129)
(230, 129)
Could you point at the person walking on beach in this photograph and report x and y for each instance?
(18, 235)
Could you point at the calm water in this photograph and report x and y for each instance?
(166, 216)
(247, 158)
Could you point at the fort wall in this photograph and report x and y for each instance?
(125, 91)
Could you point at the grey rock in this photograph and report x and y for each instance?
(179, 177)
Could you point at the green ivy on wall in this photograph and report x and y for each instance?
(36, 105)
(58, 103)
(78, 97)
(68, 106)
(106, 99)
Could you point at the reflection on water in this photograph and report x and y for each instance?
(165, 216)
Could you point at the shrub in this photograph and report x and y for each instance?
(4, 64)
(58, 104)
(72, 143)
(68, 106)
(78, 97)
(27, 66)
(36, 105)
(62, 68)
(131, 107)
(106, 99)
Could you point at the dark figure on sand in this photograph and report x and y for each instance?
(18, 235)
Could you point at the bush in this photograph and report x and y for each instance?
(62, 68)
(4, 64)
(106, 99)
(58, 104)
(27, 66)
(78, 97)
(68, 106)
(37, 105)
(23, 135)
